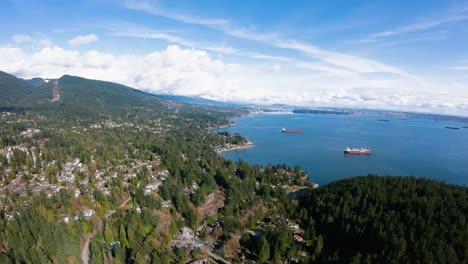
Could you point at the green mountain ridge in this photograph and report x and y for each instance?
(79, 96)
(36, 82)
(13, 89)
(85, 96)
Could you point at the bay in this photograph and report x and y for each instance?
(404, 147)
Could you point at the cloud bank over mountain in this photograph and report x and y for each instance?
(176, 70)
(368, 54)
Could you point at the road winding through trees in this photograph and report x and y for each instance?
(85, 249)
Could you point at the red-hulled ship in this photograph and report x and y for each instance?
(297, 131)
(349, 150)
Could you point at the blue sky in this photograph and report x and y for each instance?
(404, 55)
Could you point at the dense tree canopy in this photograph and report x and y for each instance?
(389, 220)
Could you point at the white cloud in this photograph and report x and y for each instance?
(331, 58)
(263, 56)
(83, 40)
(131, 30)
(333, 61)
(453, 16)
(460, 68)
(171, 38)
(147, 7)
(274, 68)
(173, 70)
(461, 65)
(21, 38)
(419, 26)
(195, 72)
(45, 42)
(221, 49)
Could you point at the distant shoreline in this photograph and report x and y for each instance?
(390, 113)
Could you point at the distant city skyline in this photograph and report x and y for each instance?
(396, 55)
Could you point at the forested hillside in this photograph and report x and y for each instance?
(87, 98)
(13, 89)
(388, 220)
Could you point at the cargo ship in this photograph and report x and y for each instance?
(451, 127)
(297, 131)
(349, 150)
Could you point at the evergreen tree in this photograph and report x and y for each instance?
(264, 252)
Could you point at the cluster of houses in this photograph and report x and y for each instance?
(30, 132)
(155, 180)
(189, 190)
(12, 118)
(294, 227)
(156, 127)
(7, 152)
(71, 169)
(185, 233)
(74, 175)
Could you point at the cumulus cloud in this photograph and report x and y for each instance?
(173, 70)
(21, 38)
(83, 40)
(331, 78)
(176, 70)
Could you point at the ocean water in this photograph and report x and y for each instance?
(404, 147)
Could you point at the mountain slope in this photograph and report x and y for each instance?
(92, 97)
(198, 100)
(36, 82)
(12, 89)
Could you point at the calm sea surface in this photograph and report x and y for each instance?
(418, 147)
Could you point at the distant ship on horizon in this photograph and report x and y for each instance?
(365, 151)
(296, 131)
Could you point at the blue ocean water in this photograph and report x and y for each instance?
(415, 146)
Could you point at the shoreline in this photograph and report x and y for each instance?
(223, 126)
(231, 124)
(248, 144)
